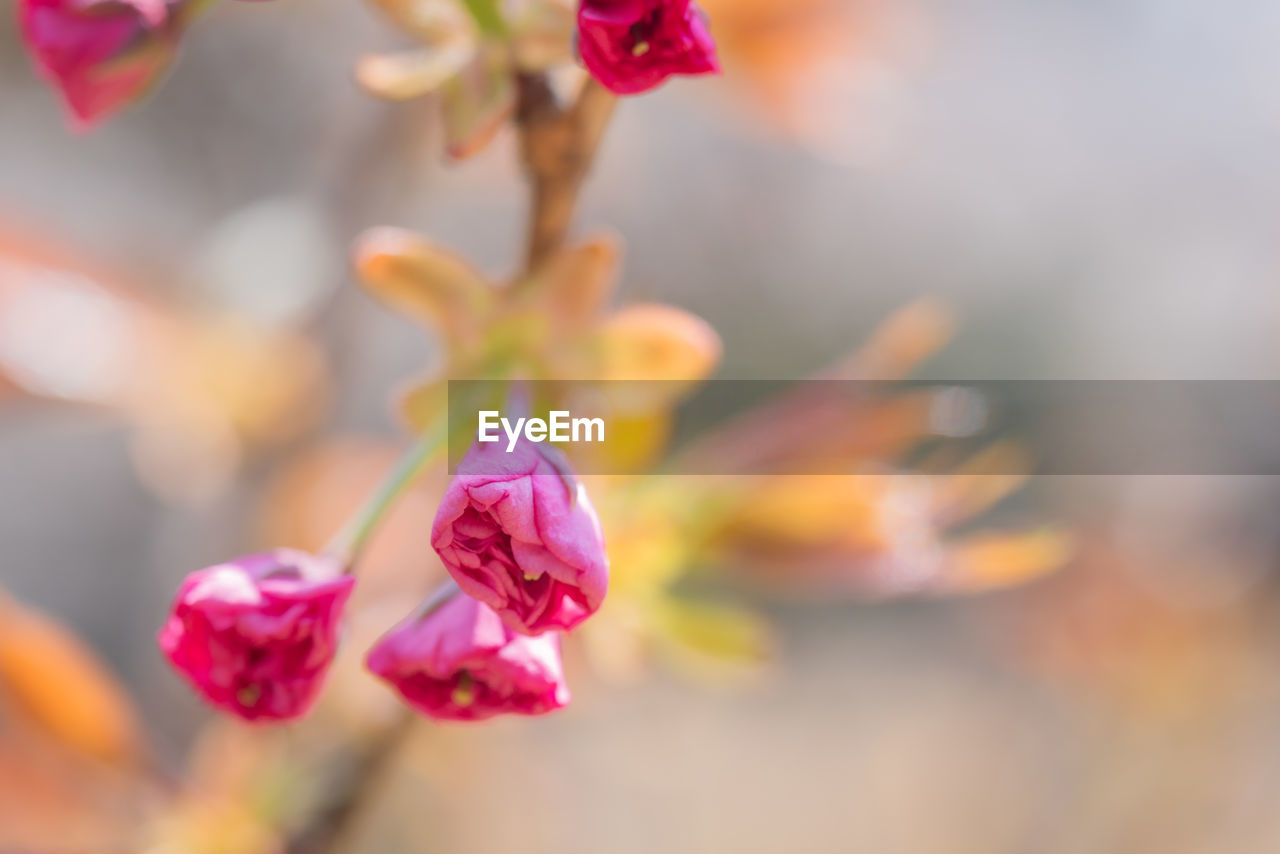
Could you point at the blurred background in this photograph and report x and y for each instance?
(187, 371)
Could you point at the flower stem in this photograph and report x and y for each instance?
(446, 591)
(558, 146)
(352, 538)
(329, 830)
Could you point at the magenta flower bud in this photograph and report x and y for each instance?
(460, 663)
(519, 534)
(255, 636)
(631, 46)
(100, 54)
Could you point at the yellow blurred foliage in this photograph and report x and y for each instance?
(810, 511)
(657, 342)
(712, 637)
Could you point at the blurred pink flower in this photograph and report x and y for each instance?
(631, 46)
(255, 636)
(459, 662)
(101, 54)
(521, 536)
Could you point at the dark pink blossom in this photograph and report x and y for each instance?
(519, 535)
(459, 662)
(631, 46)
(101, 54)
(255, 636)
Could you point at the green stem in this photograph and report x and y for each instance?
(352, 538)
(446, 591)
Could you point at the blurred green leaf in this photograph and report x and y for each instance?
(487, 15)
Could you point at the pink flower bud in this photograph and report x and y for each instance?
(255, 636)
(631, 46)
(101, 54)
(459, 662)
(521, 536)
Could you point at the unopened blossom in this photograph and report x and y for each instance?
(100, 54)
(631, 46)
(255, 636)
(521, 536)
(460, 662)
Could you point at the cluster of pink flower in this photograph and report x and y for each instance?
(523, 545)
(105, 54)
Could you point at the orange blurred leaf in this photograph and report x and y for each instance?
(808, 511)
(577, 282)
(992, 560)
(412, 275)
(979, 482)
(648, 341)
(909, 336)
(60, 684)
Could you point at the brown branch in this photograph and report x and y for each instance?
(558, 146)
(328, 830)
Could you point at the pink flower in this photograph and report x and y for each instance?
(459, 662)
(254, 637)
(631, 46)
(523, 538)
(101, 54)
